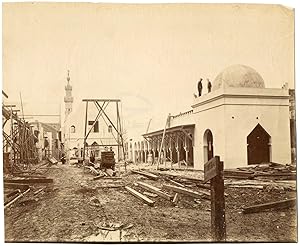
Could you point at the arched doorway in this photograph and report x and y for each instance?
(208, 147)
(258, 146)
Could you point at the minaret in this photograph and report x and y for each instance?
(68, 98)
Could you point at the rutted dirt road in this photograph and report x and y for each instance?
(74, 207)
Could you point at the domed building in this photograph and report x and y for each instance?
(239, 76)
(239, 120)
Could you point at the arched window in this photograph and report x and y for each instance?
(208, 147)
(110, 129)
(73, 129)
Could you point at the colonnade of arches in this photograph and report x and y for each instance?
(176, 147)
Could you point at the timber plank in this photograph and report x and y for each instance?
(154, 190)
(140, 196)
(271, 205)
(148, 175)
(187, 191)
(16, 186)
(29, 181)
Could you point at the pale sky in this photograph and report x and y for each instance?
(149, 56)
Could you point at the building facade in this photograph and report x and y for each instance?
(239, 120)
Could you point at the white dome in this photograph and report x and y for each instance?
(238, 76)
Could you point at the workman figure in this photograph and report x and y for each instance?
(200, 87)
(208, 86)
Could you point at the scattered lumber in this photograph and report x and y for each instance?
(52, 161)
(175, 199)
(16, 186)
(150, 194)
(29, 180)
(92, 170)
(154, 190)
(31, 176)
(99, 177)
(178, 176)
(176, 183)
(271, 205)
(38, 191)
(148, 175)
(16, 198)
(286, 176)
(247, 186)
(264, 171)
(113, 178)
(187, 191)
(13, 193)
(140, 196)
(109, 172)
(204, 186)
(110, 186)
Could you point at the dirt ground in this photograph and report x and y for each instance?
(74, 207)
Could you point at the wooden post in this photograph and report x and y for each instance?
(213, 171)
(162, 141)
(84, 139)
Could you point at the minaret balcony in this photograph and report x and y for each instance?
(68, 99)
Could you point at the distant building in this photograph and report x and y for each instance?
(102, 134)
(293, 124)
(48, 143)
(239, 120)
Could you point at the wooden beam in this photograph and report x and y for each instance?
(271, 205)
(17, 198)
(155, 190)
(140, 196)
(176, 183)
(29, 181)
(16, 186)
(188, 192)
(148, 175)
(101, 100)
(176, 198)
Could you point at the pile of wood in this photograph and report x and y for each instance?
(265, 171)
(17, 187)
(177, 190)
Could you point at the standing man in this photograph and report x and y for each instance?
(208, 86)
(200, 87)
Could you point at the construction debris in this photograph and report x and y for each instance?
(150, 194)
(175, 199)
(92, 170)
(269, 171)
(53, 161)
(16, 198)
(247, 186)
(271, 205)
(185, 191)
(110, 172)
(38, 191)
(28, 180)
(148, 175)
(140, 196)
(15, 186)
(154, 190)
(176, 183)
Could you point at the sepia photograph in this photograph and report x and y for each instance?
(148, 123)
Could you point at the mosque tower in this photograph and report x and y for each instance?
(68, 97)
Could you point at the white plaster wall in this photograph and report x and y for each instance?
(184, 119)
(77, 118)
(274, 119)
(214, 111)
(208, 119)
